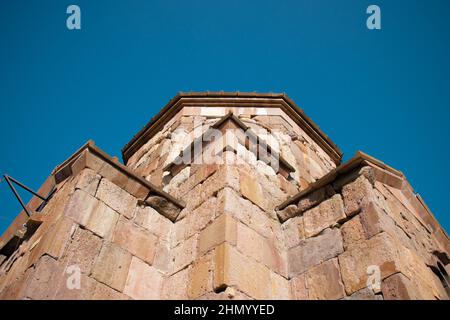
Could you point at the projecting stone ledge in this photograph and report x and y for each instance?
(118, 188)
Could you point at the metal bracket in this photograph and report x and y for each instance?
(11, 180)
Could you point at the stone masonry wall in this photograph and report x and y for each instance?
(337, 232)
(300, 151)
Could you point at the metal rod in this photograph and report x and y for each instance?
(25, 187)
(16, 194)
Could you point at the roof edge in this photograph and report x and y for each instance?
(176, 103)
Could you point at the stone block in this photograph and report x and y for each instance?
(114, 175)
(153, 221)
(175, 286)
(200, 277)
(116, 198)
(298, 287)
(224, 228)
(83, 250)
(233, 269)
(111, 266)
(280, 287)
(183, 254)
(103, 292)
(199, 173)
(162, 257)
(364, 294)
(252, 190)
(53, 242)
(102, 220)
(357, 194)
(136, 189)
(143, 282)
(164, 207)
(379, 251)
(45, 278)
(314, 198)
(88, 181)
(229, 202)
(325, 215)
(313, 251)
(136, 240)
(324, 281)
(249, 242)
(287, 213)
(397, 287)
(293, 231)
(287, 186)
(80, 206)
(273, 257)
(374, 221)
(352, 232)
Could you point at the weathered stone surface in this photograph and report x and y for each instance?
(80, 207)
(175, 286)
(314, 198)
(53, 242)
(426, 284)
(288, 212)
(325, 215)
(84, 292)
(136, 240)
(298, 287)
(88, 181)
(233, 269)
(280, 287)
(45, 278)
(153, 221)
(143, 282)
(252, 190)
(379, 251)
(193, 222)
(293, 231)
(357, 194)
(397, 287)
(111, 266)
(352, 232)
(83, 250)
(249, 242)
(183, 254)
(288, 187)
(102, 220)
(364, 294)
(103, 292)
(313, 251)
(324, 281)
(163, 206)
(374, 221)
(201, 277)
(162, 257)
(228, 202)
(116, 198)
(224, 228)
(199, 173)
(273, 257)
(225, 176)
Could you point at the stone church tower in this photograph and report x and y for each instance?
(225, 196)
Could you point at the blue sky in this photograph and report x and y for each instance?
(385, 92)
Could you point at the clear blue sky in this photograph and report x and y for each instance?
(384, 92)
